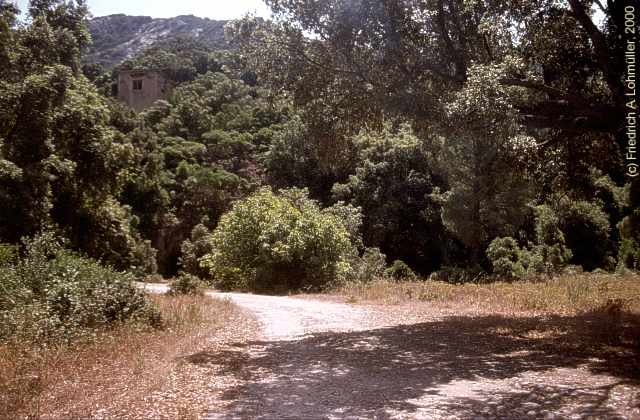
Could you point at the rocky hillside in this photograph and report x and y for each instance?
(117, 37)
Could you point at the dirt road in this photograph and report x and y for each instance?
(318, 359)
(286, 318)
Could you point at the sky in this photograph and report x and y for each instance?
(213, 9)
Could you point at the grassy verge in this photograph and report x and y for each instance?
(113, 373)
(565, 295)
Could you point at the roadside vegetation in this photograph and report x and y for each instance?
(566, 294)
(116, 371)
(478, 147)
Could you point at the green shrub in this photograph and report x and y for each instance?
(8, 254)
(279, 241)
(186, 284)
(52, 294)
(629, 255)
(400, 271)
(586, 231)
(550, 253)
(369, 266)
(144, 261)
(195, 248)
(506, 258)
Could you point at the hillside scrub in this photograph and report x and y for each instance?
(464, 138)
(50, 294)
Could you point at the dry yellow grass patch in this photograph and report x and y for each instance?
(563, 295)
(595, 314)
(115, 374)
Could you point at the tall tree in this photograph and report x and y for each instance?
(369, 58)
(484, 160)
(61, 165)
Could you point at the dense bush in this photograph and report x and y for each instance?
(550, 253)
(586, 230)
(506, 258)
(399, 270)
(629, 255)
(392, 183)
(51, 294)
(273, 241)
(8, 254)
(547, 255)
(195, 248)
(629, 230)
(186, 284)
(369, 266)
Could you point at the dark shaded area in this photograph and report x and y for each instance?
(365, 373)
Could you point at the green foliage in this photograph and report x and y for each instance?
(399, 270)
(629, 255)
(368, 267)
(457, 275)
(180, 58)
(586, 229)
(548, 254)
(391, 183)
(59, 161)
(8, 254)
(53, 294)
(198, 154)
(270, 241)
(629, 228)
(499, 93)
(186, 284)
(292, 160)
(489, 188)
(436, 130)
(194, 248)
(505, 256)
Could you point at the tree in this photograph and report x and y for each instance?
(367, 59)
(484, 160)
(391, 182)
(61, 165)
(198, 153)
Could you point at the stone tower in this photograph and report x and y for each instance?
(139, 89)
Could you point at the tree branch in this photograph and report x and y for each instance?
(600, 49)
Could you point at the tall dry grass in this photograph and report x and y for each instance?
(117, 367)
(564, 295)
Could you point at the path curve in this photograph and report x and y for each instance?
(287, 318)
(316, 359)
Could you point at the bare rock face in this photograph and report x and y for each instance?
(118, 37)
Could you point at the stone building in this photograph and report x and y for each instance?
(140, 89)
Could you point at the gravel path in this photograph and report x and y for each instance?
(286, 318)
(326, 360)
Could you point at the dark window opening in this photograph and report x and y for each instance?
(137, 85)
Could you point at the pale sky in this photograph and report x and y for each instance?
(213, 9)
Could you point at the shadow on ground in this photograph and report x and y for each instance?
(439, 367)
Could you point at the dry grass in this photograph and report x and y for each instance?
(565, 295)
(115, 374)
(596, 313)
